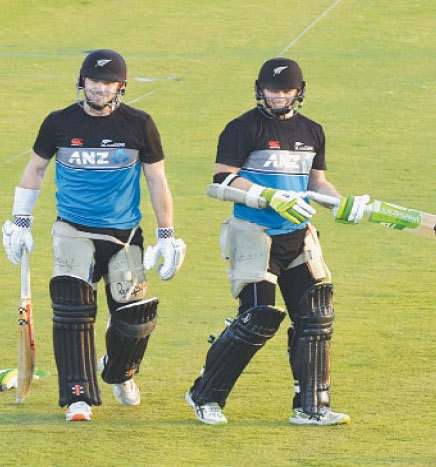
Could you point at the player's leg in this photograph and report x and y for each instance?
(309, 347)
(74, 311)
(257, 320)
(230, 354)
(127, 337)
(132, 320)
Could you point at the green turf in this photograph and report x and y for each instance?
(370, 69)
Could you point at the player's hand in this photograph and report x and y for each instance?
(289, 204)
(351, 209)
(171, 250)
(17, 235)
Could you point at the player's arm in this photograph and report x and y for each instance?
(160, 194)
(34, 172)
(351, 208)
(171, 250)
(289, 204)
(17, 234)
(222, 171)
(319, 183)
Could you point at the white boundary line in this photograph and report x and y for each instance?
(296, 39)
(308, 28)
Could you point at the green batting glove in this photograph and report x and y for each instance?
(351, 209)
(289, 205)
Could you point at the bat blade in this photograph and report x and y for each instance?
(390, 215)
(26, 338)
(401, 218)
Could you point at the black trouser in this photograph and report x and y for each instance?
(292, 282)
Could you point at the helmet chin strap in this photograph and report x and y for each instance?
(112, 105)
(270, 112)
(281, 112)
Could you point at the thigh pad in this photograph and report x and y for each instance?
(72, 256)
(248, 248)
(126, 277)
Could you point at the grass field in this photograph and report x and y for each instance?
(371, 71)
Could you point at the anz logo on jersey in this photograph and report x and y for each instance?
(276, 161)
(97, 158)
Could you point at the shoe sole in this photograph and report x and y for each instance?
(294, 421)
(79, 417)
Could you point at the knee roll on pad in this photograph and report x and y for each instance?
(256, 325)
(127, 338)
(232, 352)
(309, 346)
(74, 311)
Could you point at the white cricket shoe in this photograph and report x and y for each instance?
(324, 418)
(209, 413)
(126, 393)
(78, 412)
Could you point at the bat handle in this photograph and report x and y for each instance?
(331, 200)
(25, 273)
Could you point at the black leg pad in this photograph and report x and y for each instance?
(309, 347)
(127, 338)
(74, 311)
(232, 352)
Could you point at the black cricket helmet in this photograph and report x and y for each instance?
(275, 74)
(104, 65)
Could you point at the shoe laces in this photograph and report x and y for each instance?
(129, 385)
(323, 413)
(211, 408)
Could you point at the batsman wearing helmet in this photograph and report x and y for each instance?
(101, 146)
(273, 152)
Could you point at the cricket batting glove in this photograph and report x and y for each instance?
(289, 204)
(17, 235)
(351, 209)
(171, 250)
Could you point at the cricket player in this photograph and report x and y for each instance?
(101, 146)
(275, 152)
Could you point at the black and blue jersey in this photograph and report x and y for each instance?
(273, 153)
(98, 163)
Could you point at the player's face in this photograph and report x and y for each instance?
(279, 98)
(100, 93)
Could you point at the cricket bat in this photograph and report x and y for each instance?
(378, 212)
(390, 215)
(26, 337)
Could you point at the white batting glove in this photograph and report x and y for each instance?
(351, 209)
(17, 235)
(289, 204)
(171, 250)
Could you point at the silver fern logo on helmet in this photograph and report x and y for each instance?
(278, 70)
(102, 63)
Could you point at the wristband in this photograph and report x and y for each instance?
(24, 201)
(165, 232)
(24, 222)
